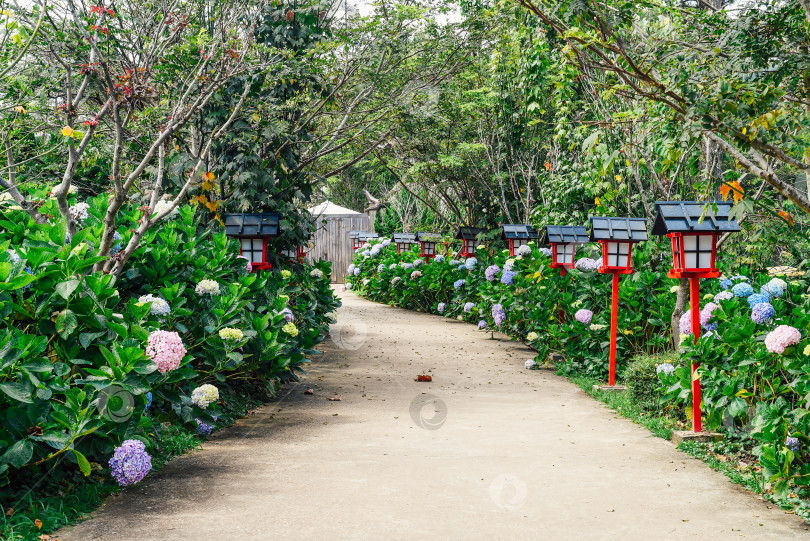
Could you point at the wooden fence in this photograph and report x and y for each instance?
(331, 241)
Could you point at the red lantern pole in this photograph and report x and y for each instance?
(614, 309)
(694, 306)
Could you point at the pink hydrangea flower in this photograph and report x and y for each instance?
(782, 337)
(165, 349)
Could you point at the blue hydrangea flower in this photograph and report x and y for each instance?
(742, 290)
(762, 313)
(439, 258)
(380, 268)
(773, 290)
(726, 283)
(470, 263)
(407, 266)
(204, 428)
(469, 306)
(757, 298)
(392, 266)
(482, 324)
(458, 283)
(666, 368)
(507, 277)
(454, 262)
(441, 307)
(148, 402)
(546, 251)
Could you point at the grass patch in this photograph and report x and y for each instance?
(58, 496)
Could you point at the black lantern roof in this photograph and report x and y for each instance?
(424, 236)
(685, 217)
(404, 238)
(246, 224)
(565, 234)
(519, 231)
(365, 235)
(613, 228)
(355, 234)
(470, 233)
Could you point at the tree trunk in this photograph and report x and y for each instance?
(680, 307)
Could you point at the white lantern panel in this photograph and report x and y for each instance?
(252, 249)
(429, 248)
(705, 251)
(618, 254)
(697, 251)
(565, 254)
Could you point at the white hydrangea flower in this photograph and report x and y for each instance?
(207, 287)
(204, 395)
(79, 211)
(162, 206)
(229, 333)
(159, 305)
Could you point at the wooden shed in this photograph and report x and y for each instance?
(331, 239)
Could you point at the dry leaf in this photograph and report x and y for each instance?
(786, 216)
(337, 398)
(309, 391)
(9, 511)
(38, 523)
(424, 377)
(208, 176)
(733, 188)
(44, 537)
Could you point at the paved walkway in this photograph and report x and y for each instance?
(486, 451)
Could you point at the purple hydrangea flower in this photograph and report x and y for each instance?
(357, 271)
(583, 315)
(469, 306)
(587, 264)
(546, 251)
(204, 428)
(706, 315)
(458, 283)
(148, 402)
(498, 314)
(686, 323)
(482, 324)
(723, 296)
(762, 312)
(441, 307)
(792, 443)
(491, 272)
(130, 463)
(507, 277)
(288, 314)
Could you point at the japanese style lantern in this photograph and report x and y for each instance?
(564, 240)
(694, 228)
(518, 235)
(469, 239)
(427, 243)
(404, 241)
(253, 231)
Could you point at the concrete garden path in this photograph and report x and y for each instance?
(486, 451)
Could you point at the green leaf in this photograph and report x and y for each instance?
(57, 233)
(17, 391)
(18, 454)
(66, 323)
(117, 328)
(86, 337)
(84, 464)
(66, 289)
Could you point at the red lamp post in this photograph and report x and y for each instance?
(427, 243)
(253, 231)
(517, 235)
(693, 228)
(404, 241)
(617, 236)
(564, 240)
(469, 239)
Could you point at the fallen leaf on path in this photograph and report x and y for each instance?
(309, 391)
(424, 377)
(44, 537)
(38, 523)
(337, 398)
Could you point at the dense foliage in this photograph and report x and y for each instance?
(754, 349)
(89, 362)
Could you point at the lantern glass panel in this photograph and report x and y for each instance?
(565, 254)
(469, 246)
(429, 248)
(697, 251)
(618, 253)
(252, 249)
(517, 243)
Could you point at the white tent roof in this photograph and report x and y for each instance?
(328, 208)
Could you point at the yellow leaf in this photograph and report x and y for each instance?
(67, 131)
(745, 130)
(598, 202)
(256, 117)
(207, 185)
(20, 109)
(619, 178)
(212, 206)
(202, 199)
(209, 176)
(787, 217)
(732, 188)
